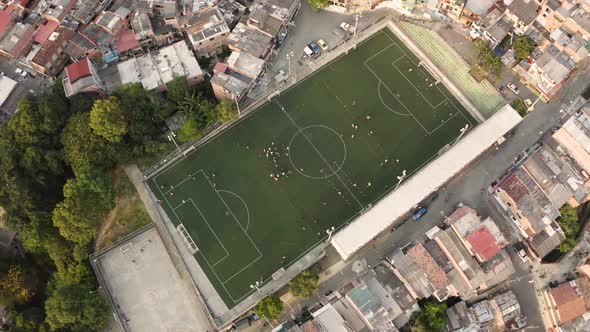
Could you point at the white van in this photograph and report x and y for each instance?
(308, 52)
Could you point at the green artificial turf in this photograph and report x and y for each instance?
(335, 143)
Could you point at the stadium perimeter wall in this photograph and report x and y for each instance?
(429, 179)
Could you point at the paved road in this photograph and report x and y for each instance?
(24, 86)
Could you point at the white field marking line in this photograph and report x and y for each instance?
(230, 211)
(445, 122)
(415, 88)
(165, 168)
(401, 103)
(200, 251)
(212, 231)
(243, 202)
(402, 50)
(319, 153)
(376, 54)
(237, 222)
(180, 183)
(333, 171)
(384, 104)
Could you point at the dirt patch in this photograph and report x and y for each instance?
(128, 214)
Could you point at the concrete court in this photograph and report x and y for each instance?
(146, 288)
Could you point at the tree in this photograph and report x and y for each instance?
(318, 4)
(17, 285)
(567, 245)
(83, 148)
(226, 110)
(568, 221)
(523, 47)
(431, 318)
(305, 284)
(87, 199)
(107, 119)
(77, 308)
(190, 130)
(489, 63)
(269, 307)
(177, 89)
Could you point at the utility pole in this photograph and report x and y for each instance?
(234, 97)
(356, 22)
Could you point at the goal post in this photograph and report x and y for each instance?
(188, 240)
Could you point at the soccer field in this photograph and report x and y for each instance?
(263, 193)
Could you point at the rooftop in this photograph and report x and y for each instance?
(44, 31)
(141, 25)
(126, 41)
(484, 243)
(78, 69)
(479, 7)
(155, 69)
(525, 10)
(571, 299)
(6, 86)
(435, 274)
(556, 64)
(85, 10)
(245, 64)
(247, 39)
(205, 25)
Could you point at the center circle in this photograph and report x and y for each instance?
(330, 162)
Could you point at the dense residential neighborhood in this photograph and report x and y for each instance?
(295, 165)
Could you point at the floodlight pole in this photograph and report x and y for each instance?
(330, 231)
(400, 179)
(171, 136)
(256, 286)
(462, 132)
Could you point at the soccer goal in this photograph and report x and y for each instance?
(192, 246)
(430, 71)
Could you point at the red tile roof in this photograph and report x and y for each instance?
(78, 69)
(484, 243)
(571, 310)
(126, 41)
(564, 293)
(435, 274)
(5, 17)
(220, 67)
(45, 31)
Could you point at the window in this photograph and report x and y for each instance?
(211, 39)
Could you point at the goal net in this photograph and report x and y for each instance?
(192, 246)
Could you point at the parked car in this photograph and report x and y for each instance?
(419, 213)
(528, 103)
(502, 90)
(308, 52)
(513, 88)
(314, 47)
(345, 26)
(520, 250)
(323, 44)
